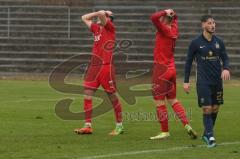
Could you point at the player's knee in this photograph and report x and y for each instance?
(88, 94)
(112, 96)
(215, 109)
(207, 109)
(172, 101)
(87, 97)
(159, 102)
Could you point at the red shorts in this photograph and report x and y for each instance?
(103, 75)
(163, 82)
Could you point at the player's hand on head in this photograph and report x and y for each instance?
(173, 14)
(186, 87)
(170, 12)
(108, 13)
(101, 11)
(225, 75)
(167, 11)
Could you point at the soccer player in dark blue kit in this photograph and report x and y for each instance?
(208, 51)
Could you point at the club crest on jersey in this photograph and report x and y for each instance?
(97, 37)
(217, 45)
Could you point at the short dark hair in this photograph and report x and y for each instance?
(170, 18)
(111, 18)
(206, 17)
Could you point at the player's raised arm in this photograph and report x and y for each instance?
(188, 66)
(168, 27)
(224, 57)
(172, 31)
(102, 17)
(88, 18)
(155, 18)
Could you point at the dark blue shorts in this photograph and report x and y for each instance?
(209, 94)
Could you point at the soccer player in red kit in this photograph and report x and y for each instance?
(164, 72)
(101, 70)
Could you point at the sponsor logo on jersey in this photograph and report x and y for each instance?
(210, 53)
(217, 45)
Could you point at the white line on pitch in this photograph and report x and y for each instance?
(30, 100)
(129, 153)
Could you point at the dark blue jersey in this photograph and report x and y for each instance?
(208, 56)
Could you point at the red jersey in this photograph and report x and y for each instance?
(165, 40)
(103, 38)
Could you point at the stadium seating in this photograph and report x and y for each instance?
(36, 36)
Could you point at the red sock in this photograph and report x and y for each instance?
(162, 116)
(180, 112)
(88, 110)
(117, 110)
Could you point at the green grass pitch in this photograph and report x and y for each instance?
(30, 129)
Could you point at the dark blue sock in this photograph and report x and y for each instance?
(214, 117)
(208, 124)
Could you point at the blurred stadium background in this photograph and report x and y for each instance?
(37, 35)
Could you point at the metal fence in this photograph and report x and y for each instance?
(212, 9)
(7, 13)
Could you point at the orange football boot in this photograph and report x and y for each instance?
(84, 130)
